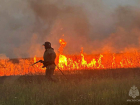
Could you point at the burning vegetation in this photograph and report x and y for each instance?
(71, 62)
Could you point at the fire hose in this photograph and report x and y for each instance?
(55, 65)
(61, 72)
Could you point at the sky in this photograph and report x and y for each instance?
(96, 25)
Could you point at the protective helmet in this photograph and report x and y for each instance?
(47, 45)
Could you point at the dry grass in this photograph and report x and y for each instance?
(99, 87)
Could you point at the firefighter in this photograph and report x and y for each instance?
(49, 60)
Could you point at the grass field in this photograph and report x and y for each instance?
(87, 87)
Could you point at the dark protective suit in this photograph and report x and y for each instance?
(49, 62)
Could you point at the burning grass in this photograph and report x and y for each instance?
(71, 62)
(99, 87)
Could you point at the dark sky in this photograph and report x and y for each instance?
(97, 25)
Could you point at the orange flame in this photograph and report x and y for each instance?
(103, 61)
(62, 45)
(72, 62)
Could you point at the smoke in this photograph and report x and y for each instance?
(16, 25)
(3, 56)
(127, 28)
(96, 25)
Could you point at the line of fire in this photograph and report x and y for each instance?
(71, 62)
